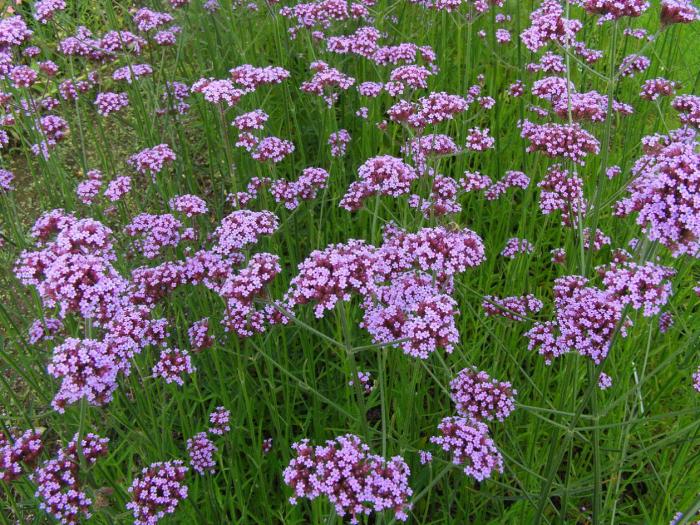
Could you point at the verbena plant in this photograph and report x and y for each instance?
(423, 261)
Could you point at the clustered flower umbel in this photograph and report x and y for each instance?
(663, 193)
(402, 307)
(72, 268)
(355, 481)
(479, 397)
(59, 487)
(157, 492)
(470, 445)
(18, 450)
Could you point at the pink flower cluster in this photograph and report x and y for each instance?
(152, 160)
(560, 140)
(354, 480)
(201, 451)
(18, 450)
(662, 194)
(479, 397)
(157, 492)
(470, 445)
(515, 246)
(58, 485)
(383, 175)
(172, 364)
(306, 187)
(109, 102)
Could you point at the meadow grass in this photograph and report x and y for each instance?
(572, 453)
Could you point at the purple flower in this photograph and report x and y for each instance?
(59, 487)
(190, 205)
(560, 140)
(172, 364)
(111, 102)
(664, 194)
(152, 160)
(87, 369)
(117, 188)
(6, 178)
(470, 446)
(338, 141)
(514, 246)
(515, 307)
(479, 397)
(21, 449)
(385, 175)
(219, 420)
(157, 492)
(355, 481)
(201, 451)
(132, 72)
(604, 381)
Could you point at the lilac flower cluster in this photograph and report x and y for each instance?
(644, 287)
(16, 450)
(662, 194)
(157, 492)
(219, 420)
(587, 320)
(152, 160)
(172, 364)
(338, 141)
(156, 232)
(560, 140)
(58, 485)
(515, 246)
(383, 175)
(111, 102)
(201, 451)
(355, 481)
(479, 397)
(306, 187)
(562, 192)
(470, 445)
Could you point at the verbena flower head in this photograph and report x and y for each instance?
(515, 246)
(132, 72)
(470, 445)
(663, 194)
(219, 420)
(548, 24)
(18, 450)
(189, 205)
(560, 140)
(678, 12)
(644, 287)
(338, 141)
(515, 307)
(111, 102)
(355, 481)
(6, 178)
(604, 381)
(87, 369)
(152, 160)
(59, 487)
(157, 492)
(479, 397)
(332, 275)
(385, 175)
(172, 365)
(201, 450)
(218, 91)
(155, 232)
